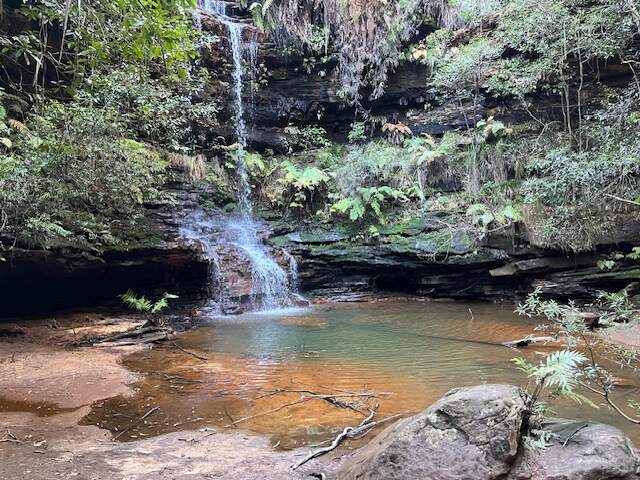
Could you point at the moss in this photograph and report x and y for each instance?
(142, 234)
(439, 242)
(409, 227)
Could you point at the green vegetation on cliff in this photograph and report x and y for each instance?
(540, 100)
(96, 100)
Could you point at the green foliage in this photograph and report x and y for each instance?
(299, 187)
(72, 173)
(369, 202)
(305, 138)
(573, 199)
(357, 132)
(483, 216)
(103, 88)
(143, 305)
(566, 370)
(161, 111)
(559, 371)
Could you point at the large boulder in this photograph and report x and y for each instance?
(471, 433)
(475, 433)
(578, 451)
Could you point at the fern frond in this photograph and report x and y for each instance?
(18, 126)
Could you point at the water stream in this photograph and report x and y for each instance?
(272, 287)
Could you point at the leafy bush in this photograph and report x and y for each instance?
(161, 111)
(368, 203)
(71, 175)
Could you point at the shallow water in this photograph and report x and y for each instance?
(413, 351)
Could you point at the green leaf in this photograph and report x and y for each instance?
(265, 6)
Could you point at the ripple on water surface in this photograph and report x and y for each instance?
(414, 351)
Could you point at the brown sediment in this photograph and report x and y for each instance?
(625, 334)
(39, 374)
(191, 394)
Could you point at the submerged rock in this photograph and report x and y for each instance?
(475, 433)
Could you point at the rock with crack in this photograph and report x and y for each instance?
(579, 451)
(475, 433)
(471, 433)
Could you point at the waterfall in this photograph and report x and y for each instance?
(271, 286)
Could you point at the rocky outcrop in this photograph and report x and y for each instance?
(154, 260)
(476, 434)
(427, 259)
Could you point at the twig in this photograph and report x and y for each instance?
(331, 398)
(199, 357)
(11, 438)
(262, 414)
(142, 418)
(528, 340)
(620, 199)
(572, 435)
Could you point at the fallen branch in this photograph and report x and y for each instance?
(268, 412)
(620, 199)
(528, 340)
(330, 398)
(144, 339)
(349, 432)
(10, 437)
(199, 357)
(333, 398)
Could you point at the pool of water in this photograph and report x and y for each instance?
(409, 352)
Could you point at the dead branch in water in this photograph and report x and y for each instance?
(199, 357)
(333, 399)
(142, 418)
(10, 437)
(528, 340)
(336, 399)
(348, 433)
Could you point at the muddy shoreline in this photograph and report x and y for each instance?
(49, 388)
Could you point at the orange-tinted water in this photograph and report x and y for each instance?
(413, 351)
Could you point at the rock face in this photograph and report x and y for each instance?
(476, 434)
(155, 261)
(426, 259)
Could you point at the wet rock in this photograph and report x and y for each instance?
(232, 309)
(299, 301)
(317, 236)
(471, 433)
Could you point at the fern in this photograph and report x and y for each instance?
(142, 304)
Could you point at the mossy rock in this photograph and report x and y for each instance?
(434, 243)
(317, 236)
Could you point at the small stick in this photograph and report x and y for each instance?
(199, 357)
(154, 409)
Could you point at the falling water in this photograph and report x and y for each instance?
(271, 286)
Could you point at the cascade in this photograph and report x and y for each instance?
(271, 287)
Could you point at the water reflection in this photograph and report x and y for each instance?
(416, 351)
